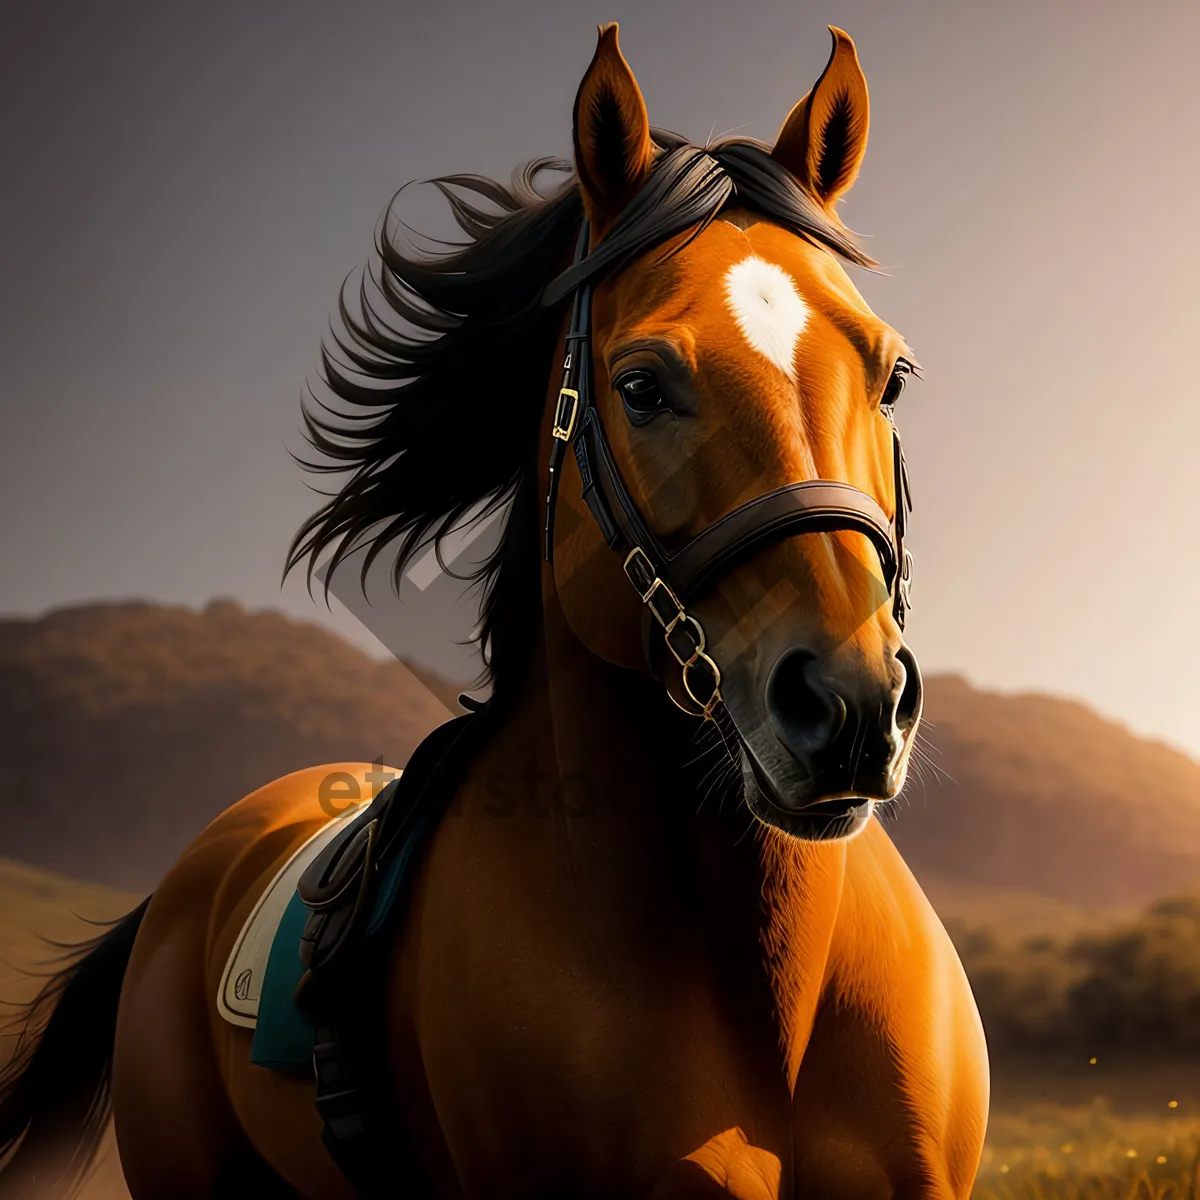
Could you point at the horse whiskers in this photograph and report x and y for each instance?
(716, 779)
(710, 743)
(922, 768)
(924, 752)
(724, 729)
(856, 752)
(719, 784)
(719, 763)
(708, 738)
(753, 826)
(922, 738)
(702, 752)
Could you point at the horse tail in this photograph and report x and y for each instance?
(55, 1096)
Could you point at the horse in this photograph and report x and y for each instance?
(661, 945)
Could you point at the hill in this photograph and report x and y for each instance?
(124, 728)
(1041, 794)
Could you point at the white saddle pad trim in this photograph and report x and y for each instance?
(246, 967)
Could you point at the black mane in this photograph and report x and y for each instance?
(443, 365)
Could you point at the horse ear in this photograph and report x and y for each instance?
(824, 138)
(612, 133)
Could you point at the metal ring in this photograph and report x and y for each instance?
(702, 642)
(706, 706)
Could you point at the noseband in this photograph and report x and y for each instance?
(666, 579)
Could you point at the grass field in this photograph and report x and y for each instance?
(1057, 1153)
(37, 909)
(1083, 1132)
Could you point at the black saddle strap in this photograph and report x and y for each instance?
(343, 992)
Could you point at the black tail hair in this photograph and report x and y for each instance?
(55, 1092)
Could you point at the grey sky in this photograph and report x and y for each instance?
(186, 185)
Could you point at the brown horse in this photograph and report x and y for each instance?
(635, 961)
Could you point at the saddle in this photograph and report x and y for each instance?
(350, 890)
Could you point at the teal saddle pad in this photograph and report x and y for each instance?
(283, 1037)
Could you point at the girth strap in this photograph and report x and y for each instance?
(344, 950)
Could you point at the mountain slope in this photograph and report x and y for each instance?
(125, 728)
(1044, 795)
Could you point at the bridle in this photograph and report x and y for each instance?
(667, 580)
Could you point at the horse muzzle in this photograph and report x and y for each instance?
(830, 748)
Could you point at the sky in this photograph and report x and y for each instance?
(187, 185)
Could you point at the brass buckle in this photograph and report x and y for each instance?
(667, 621)
(564, 432)
(639, 568)
(904, 582)
(637, 562)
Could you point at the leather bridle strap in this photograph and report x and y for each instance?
(814, 506)
(575, 394)
(667, 579)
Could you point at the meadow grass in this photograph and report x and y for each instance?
(1046, 1150)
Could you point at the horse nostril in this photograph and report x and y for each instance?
(910, 700)
(806, 714)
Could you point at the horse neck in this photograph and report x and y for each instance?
(646, 831)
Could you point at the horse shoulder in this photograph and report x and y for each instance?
(896, 965)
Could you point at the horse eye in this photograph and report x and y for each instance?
(895, 385)
(641, 394)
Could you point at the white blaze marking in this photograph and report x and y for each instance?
(768, 309)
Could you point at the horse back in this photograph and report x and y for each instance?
(185, 1091)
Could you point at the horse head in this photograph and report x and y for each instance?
(731, 358)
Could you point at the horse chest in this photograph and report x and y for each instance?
(629, 1078)
(574, 1036)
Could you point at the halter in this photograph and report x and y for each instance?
(668, 579)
